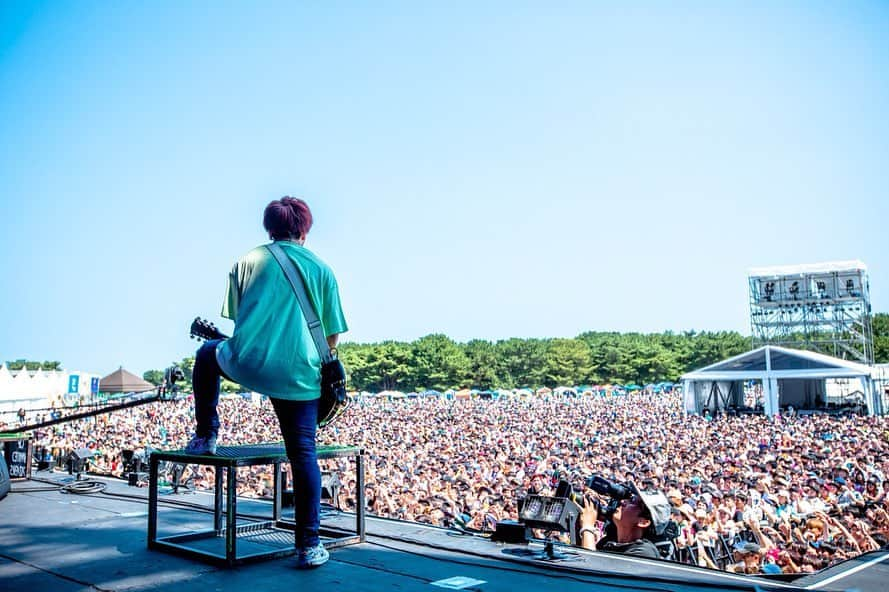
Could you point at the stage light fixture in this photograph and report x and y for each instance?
(557, 513)
(552, 514)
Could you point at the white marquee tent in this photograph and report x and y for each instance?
(24, 389)
(788, 376)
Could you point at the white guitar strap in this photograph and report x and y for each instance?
(299, 288)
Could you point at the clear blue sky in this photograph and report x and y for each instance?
(479, 169)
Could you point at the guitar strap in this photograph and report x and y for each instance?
(299, 288)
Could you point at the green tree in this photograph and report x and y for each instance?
(377, 366)
(522, 361)
(610, 356)
(155, 377)
(439, 363)
(482, 365)
(567, 362)
(227, 386)
(880, 326)
(187, 366)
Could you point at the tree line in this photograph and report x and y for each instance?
(438, 362)
(33, 365)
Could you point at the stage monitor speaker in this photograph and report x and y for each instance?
(81, 453)
(4, 478)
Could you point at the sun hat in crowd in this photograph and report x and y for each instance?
(746, 548)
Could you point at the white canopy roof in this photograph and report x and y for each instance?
(771, 364)
(826, 267)
(780, 362)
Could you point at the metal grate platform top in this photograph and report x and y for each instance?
(249, 454)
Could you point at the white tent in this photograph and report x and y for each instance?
(17, 391)
(5, 378)
(565, 391)
(789, 377)
(25, 389)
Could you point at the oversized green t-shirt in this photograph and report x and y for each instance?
(271, 351)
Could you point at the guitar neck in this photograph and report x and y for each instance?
(205, 330)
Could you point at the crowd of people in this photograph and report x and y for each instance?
(793, 493)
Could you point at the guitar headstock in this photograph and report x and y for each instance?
(205, 330)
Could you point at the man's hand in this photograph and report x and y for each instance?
(586, 523)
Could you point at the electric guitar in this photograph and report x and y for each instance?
(333, 402)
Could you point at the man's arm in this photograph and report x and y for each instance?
(332, 340)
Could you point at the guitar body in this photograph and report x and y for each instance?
(333, 401)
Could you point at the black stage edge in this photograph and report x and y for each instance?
(51, 540)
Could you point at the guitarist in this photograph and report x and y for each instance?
(271, 352)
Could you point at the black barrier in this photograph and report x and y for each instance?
(4, 478)
(18, 458)
(17, 454)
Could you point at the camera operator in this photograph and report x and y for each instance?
(634, 519)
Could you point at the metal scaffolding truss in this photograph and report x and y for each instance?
(823, 307)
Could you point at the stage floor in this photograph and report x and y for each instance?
(55, 541)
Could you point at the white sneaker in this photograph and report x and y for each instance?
(312, 557)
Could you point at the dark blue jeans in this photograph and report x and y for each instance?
(205, 378)
(298, 421)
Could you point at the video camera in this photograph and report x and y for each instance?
(172, 375)
(615, 492)
(662, 528)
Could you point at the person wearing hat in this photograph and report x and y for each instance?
(636, 523)
(748, 558)
(784, 510)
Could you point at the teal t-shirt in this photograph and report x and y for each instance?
(272, 351)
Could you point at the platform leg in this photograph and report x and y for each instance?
(217, 500)
(359, 496)
(152, 500)
(231, 508)
(278, 486)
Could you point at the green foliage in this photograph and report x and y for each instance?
(155, 377)
(33, 365)
(187, 365)
(227, 386)
(522, 362)
(482, 365)
(437, 362)
(566, 362)
(880, 325)
(378, 367)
